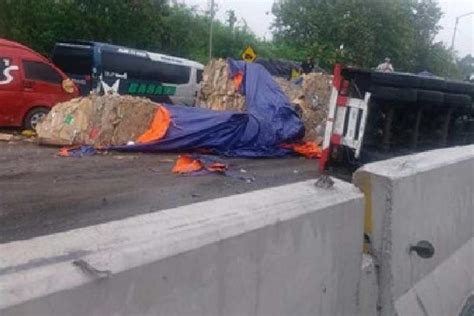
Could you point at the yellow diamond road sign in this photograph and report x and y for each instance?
(249, 54)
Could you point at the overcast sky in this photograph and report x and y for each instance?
(257, 13)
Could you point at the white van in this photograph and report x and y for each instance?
(106, 68)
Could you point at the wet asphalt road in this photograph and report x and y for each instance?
(41, 193)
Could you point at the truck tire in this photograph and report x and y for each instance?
(430, 97)
(457, 100)
(34, 116)
(460, 87)
(432, 84)
(395, 79)
(394, 94)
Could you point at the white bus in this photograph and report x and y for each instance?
(106, 68)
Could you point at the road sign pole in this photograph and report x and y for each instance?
(456, 27)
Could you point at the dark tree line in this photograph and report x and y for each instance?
(146, 24)
(358, 32)
(364, 32)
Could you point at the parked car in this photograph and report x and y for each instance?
(30, 86)
(105, 68)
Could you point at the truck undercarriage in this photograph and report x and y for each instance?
(375, 116)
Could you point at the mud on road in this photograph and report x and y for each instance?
(41, 193)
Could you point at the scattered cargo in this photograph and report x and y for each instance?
(309, 95)
(218, 91)
(270, 126)
(97, 120)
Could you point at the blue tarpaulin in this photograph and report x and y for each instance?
(269, 121)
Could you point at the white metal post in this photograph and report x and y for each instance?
(210, 29)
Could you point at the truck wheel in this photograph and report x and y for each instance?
(460, 100)
(460, 87)
(34, 116)
(394, 94)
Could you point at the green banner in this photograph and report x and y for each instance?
(150, 89)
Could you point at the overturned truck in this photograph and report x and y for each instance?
(374, 116)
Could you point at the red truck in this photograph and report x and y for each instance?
(30, 85)
(375, 116)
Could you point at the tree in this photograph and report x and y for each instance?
(356, 31)
(231, 19)
(146, 24)
(178, 40)
(229, 41)
(364, 32)
(441, 62)
(466, 66)
(39, 24)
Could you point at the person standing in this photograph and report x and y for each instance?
(386, 66)
(307, 65)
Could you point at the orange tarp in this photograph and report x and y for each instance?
(306, 149)
(186, 164)
(159, 126)
(237, 80)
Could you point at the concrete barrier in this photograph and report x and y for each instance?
(427, 196)
(443, 291)
(290, 250)
(368, 288)
(294, 249)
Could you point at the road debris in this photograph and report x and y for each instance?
(192, 164)
(125, 157)
(28, 133)
(77, 152)
(6, 137)
(166, 160)
(306, 149)
(324, 182)
(206, 164)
